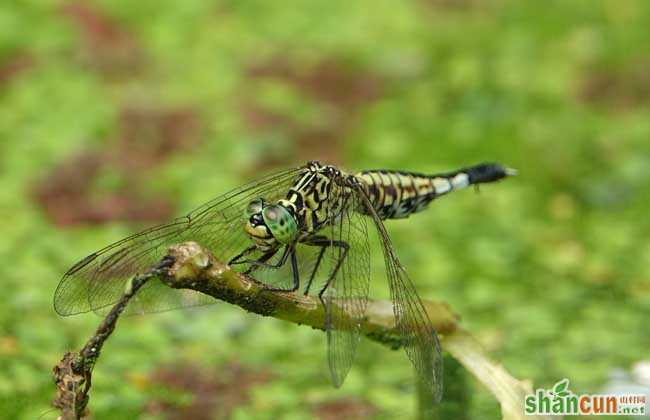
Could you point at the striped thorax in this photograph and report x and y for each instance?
(312, 199)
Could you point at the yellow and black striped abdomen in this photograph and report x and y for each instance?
(397, 194)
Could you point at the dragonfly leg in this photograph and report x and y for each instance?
(245, 252)
(324, 243)
(260, 262)
(313, 273)
(294, 269)
(346, 248)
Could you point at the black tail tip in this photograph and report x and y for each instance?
(489, 172)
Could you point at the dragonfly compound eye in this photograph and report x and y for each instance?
(254, 207)
(281, 223)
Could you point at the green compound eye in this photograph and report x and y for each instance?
(253, 207)
(282, 225)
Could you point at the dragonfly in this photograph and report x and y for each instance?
(303, 230)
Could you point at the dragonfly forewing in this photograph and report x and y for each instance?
(97, 281)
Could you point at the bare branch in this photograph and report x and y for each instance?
(190, 266)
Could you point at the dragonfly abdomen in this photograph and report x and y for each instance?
(398, 194)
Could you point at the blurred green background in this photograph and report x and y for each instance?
(115, 115)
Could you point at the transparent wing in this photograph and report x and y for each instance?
(420, 338)
(98, 281)
(346, 296)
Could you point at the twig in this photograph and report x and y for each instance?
(189, 266)
(73, 374)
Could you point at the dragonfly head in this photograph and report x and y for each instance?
(268, 223)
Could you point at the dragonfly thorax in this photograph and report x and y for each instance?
(270, 225)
